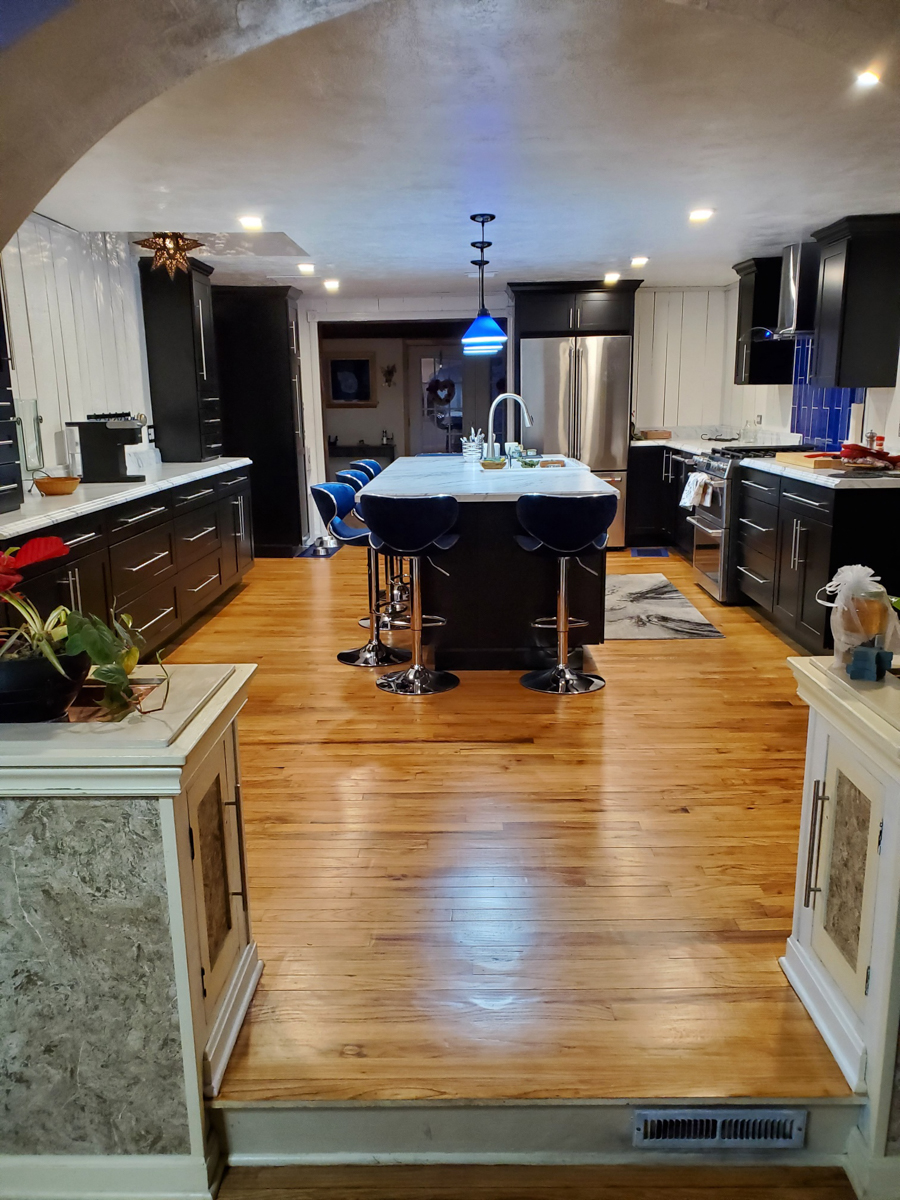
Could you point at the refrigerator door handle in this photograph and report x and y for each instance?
(573, 399)
(579, 440)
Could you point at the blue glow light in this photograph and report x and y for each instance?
(483, 332)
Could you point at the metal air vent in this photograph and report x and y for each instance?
(720, 1128)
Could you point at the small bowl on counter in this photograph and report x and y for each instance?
(493, 464)
(530, 460)
(56, 485)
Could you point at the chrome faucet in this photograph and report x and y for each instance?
(526, 417)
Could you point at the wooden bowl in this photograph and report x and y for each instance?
(57, 485)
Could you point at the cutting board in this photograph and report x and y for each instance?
(791, 458)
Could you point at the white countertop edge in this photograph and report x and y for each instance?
(38, 511)
(830, 479)
(857, 704)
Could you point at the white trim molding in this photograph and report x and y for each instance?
(229, 1019)
(94, 1176)
(836, 1024)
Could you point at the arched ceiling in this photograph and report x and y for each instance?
(590, 126)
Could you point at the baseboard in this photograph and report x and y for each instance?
(815, 990)
(95, 1176)
(229, 1018)
(872, 1178)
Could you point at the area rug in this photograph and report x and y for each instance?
(648, 606)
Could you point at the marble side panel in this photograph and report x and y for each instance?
(90, 1051)
(847, 869)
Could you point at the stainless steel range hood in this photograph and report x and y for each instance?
(799, 288)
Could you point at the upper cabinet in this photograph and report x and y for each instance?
(573, 307)
(857, 337)
(11, 493)
(182, 363)
(760, 361)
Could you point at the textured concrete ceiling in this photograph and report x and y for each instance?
(590, 127)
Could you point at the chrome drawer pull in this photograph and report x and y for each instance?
(214, 446)
(803, 500)
(9, 487)
(165, 612)
(212, 420)
(753, 525)
(155, 558)
(196, 495)
(759, 487)
(8, 442)
(757, 578)
(206, 583)
(237, 479)
(202, 533)
(85, 537)
(142, 516)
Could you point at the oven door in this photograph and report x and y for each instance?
(709, 542)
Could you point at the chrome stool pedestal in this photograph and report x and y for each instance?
(562, 679)
(417, 679)
(375, 653)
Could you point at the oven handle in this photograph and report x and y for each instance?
(713, 533)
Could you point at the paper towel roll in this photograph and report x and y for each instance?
(855, 432)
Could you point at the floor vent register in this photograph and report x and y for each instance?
(720, 1128)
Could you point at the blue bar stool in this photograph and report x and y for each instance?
(408, 527)
(371, 466)
(355, 479)
(563, 527)
(335, 502)
(393, 601)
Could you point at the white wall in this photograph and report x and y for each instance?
(352, 424)
(75, 326)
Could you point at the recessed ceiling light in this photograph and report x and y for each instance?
(640, 260)
(611, 277)
(868, 79)
(251, 222)
(306, 268)
(331, 285)
(701, 214)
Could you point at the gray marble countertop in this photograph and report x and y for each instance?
(829, 479)
(451, 475)
(38, 511)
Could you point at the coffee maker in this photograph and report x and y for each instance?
(96, 447)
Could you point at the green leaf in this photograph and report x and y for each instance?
(112, 674)
(90, 635)
(48, 652)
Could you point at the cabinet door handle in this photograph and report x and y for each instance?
(214, 446)
(149, 562)
(8, 442)
(759, 487)
(202, 533)
(753, 525)
(205, 583)
(756, 578)
(197, 495)
(73, 579)
(9, 487)
(815, 839)
(141, 516)
(202, 339)
(571, 318)
(803, 500)
(79, 541)
(212, 420)
(165, 612)
(239, 505)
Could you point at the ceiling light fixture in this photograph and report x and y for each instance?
(484, 335)
(701, 214)
(306, 268)
(640, 260)
(868, 79)
(611, 277)
(331, 285)
(251, 222)
(170, 250)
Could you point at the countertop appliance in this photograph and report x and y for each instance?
(96, 447)
(578, 391)
(716, 525)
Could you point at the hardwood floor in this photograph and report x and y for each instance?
(495, 893)
(535, 1183)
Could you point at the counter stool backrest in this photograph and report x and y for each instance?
(333, 500)
(369, 466)
(354, 479)
(408, 524)
(567, 525)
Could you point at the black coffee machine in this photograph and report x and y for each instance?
(97, 447)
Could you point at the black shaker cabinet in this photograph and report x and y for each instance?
(857, 336)
(573, 307)
(10, 471)
(763, 360)
(258, 334)
(182, 363)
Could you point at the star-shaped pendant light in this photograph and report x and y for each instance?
(170, 250)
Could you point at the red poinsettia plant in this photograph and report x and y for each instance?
(38, 635)
(35, 551)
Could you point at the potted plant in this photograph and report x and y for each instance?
(44, 661)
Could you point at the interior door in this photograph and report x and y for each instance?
(851, 805)
(548, 373)
(603, 402)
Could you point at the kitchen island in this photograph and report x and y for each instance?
(494, 589)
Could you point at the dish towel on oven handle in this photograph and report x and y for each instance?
(697, 490)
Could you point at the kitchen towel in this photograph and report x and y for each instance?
(697, 490)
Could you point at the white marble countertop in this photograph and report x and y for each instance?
(469, 481)
(829, 479)
(697, 445)
(38, 511)
(870, 710)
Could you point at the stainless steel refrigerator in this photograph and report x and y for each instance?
(578, 391)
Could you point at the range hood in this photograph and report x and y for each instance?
(799, 288)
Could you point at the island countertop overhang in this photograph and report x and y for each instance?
(469, 482)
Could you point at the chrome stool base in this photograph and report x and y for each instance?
(418, 680)
(374, 654)
(562, 681)
(385, 623)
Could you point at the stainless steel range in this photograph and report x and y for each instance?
(714, 524)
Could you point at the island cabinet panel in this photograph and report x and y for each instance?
(647, 468)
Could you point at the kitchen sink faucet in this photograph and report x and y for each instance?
(526, 417)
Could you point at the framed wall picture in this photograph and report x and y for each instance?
(349, 381)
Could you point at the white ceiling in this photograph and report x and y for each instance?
(591, 127)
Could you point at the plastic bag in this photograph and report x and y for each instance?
(861, 613)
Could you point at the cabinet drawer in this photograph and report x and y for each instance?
(189, 495)
(756, 576)
(807, 499)
(9, 442)
(196, 534)
(7, 403)
(757, 525)
(128, 519)
(11, 494)
(229, 481)
(761, 484)
(155, 614)
(82, 536)
(142, 562)
(199, 584)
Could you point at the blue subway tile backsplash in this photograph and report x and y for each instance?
(820, 415)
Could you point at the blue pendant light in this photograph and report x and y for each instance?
(484, 335)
